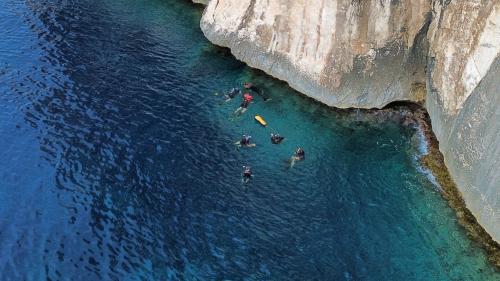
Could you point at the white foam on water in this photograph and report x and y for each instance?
(423, 149)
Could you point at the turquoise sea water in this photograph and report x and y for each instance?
(118, 163)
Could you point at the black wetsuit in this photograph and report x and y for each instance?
(245, 141)
(244, 104)
(233, 93)
(247, 174)
(275, 139)
(258, 92)
(300, 154)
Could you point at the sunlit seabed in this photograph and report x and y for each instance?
(118, 163)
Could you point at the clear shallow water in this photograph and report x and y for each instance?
(118, 163)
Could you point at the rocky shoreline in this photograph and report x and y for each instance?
(434, 161)
(415, 117)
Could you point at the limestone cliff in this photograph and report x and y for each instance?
(339, 52)
(463, 101)
(365, 54)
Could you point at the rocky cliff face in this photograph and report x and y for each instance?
(339, 52)
(365, 54)
(463, 100)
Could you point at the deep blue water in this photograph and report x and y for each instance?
(118, 163)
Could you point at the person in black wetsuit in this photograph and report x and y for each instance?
(247, 99)
(276, 138)
(247, 174)
(253, 88)
(233, 93)
(299, 155)
(245, 142)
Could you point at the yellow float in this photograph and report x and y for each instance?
(261, 120)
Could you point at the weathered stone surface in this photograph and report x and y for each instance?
(344, 53)
(351, 53)
(463, 101)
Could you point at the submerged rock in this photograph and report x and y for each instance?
(204, 2)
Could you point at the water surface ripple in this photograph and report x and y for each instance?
(118, 163)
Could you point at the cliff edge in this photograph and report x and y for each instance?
(367, 54)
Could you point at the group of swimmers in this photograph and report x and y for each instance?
(246, 139)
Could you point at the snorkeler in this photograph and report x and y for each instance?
(233, 93)
(247, 174)
(299, 155)
(247, 99)
(276, 138)
(245, 141)
(253, 88)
